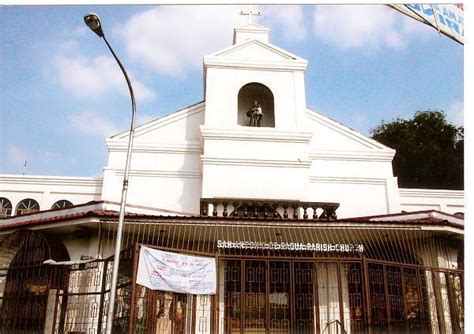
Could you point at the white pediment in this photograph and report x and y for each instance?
(331, 136)
(255, 51)
(179, 126)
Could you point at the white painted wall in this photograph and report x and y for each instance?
(449, 201)
(46, 190)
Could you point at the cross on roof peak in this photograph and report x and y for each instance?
(249, 13)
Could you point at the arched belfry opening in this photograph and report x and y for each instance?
(250, 93)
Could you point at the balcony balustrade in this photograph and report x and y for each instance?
(268, 209)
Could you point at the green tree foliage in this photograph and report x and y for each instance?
(430, 151)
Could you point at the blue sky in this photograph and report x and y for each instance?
(62, 94)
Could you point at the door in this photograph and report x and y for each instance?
(266, 296)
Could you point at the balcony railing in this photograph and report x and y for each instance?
(268, 209)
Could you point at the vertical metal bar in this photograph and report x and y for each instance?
(133, 299)
(267, 296)
(420, 294)
(439, 305)
(217, 295)
(64, 300)
(339, 291)
(452, 309)
(242, 295)
(328, 294)
(292, 294)
(316, 297)
(194, 310)
(102, 296)
(402, 276)
(368, 305)
(174, 301)
(56, 303)
(387, 296)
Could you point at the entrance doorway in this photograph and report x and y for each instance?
(292, 296)
(262, 296)
(30, 286)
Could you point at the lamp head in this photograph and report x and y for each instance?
(93, 22)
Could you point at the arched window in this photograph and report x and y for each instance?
(5, 207)
(27, 205)
(459, 215)
(61, 204)
(250, 93)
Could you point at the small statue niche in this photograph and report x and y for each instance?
(255, 114)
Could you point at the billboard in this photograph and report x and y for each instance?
(446, 18)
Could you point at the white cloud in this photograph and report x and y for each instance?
(94, 77)
(289, 18)
(455, 113)
(91, 124)
(173, 39)
(16, 155)
(364, 26)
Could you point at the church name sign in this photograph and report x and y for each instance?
(292, 246)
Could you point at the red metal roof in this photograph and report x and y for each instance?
(100, 213)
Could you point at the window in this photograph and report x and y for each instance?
(61, 204)
(27, 205)
(459, 215)
(5, 207)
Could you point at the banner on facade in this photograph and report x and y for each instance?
(166, 271)
(447, 18)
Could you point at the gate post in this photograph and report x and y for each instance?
(105, 265)
(133, 298)
(368, 312)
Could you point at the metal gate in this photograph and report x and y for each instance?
(268, 295)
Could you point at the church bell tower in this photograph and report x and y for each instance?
(254, 137)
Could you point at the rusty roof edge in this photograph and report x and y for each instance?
(97, 210)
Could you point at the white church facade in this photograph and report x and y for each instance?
(309, 228)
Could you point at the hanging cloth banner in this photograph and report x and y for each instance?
(166, 271)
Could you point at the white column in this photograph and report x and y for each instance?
(49, 321)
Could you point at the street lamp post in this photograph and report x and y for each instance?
(93, 22)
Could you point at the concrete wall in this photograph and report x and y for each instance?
(46, 190)
(449, 201)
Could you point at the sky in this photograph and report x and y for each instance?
(62, 94)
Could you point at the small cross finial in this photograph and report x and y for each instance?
(249, 14)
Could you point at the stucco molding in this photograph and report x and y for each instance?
(431, 193)
(256, 162)
(370, 156)
(191, 147)
(193, 174)
(347, 180)
(260, 65)
(256, 134)
(50, 180)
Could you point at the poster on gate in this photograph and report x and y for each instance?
(167, 271)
